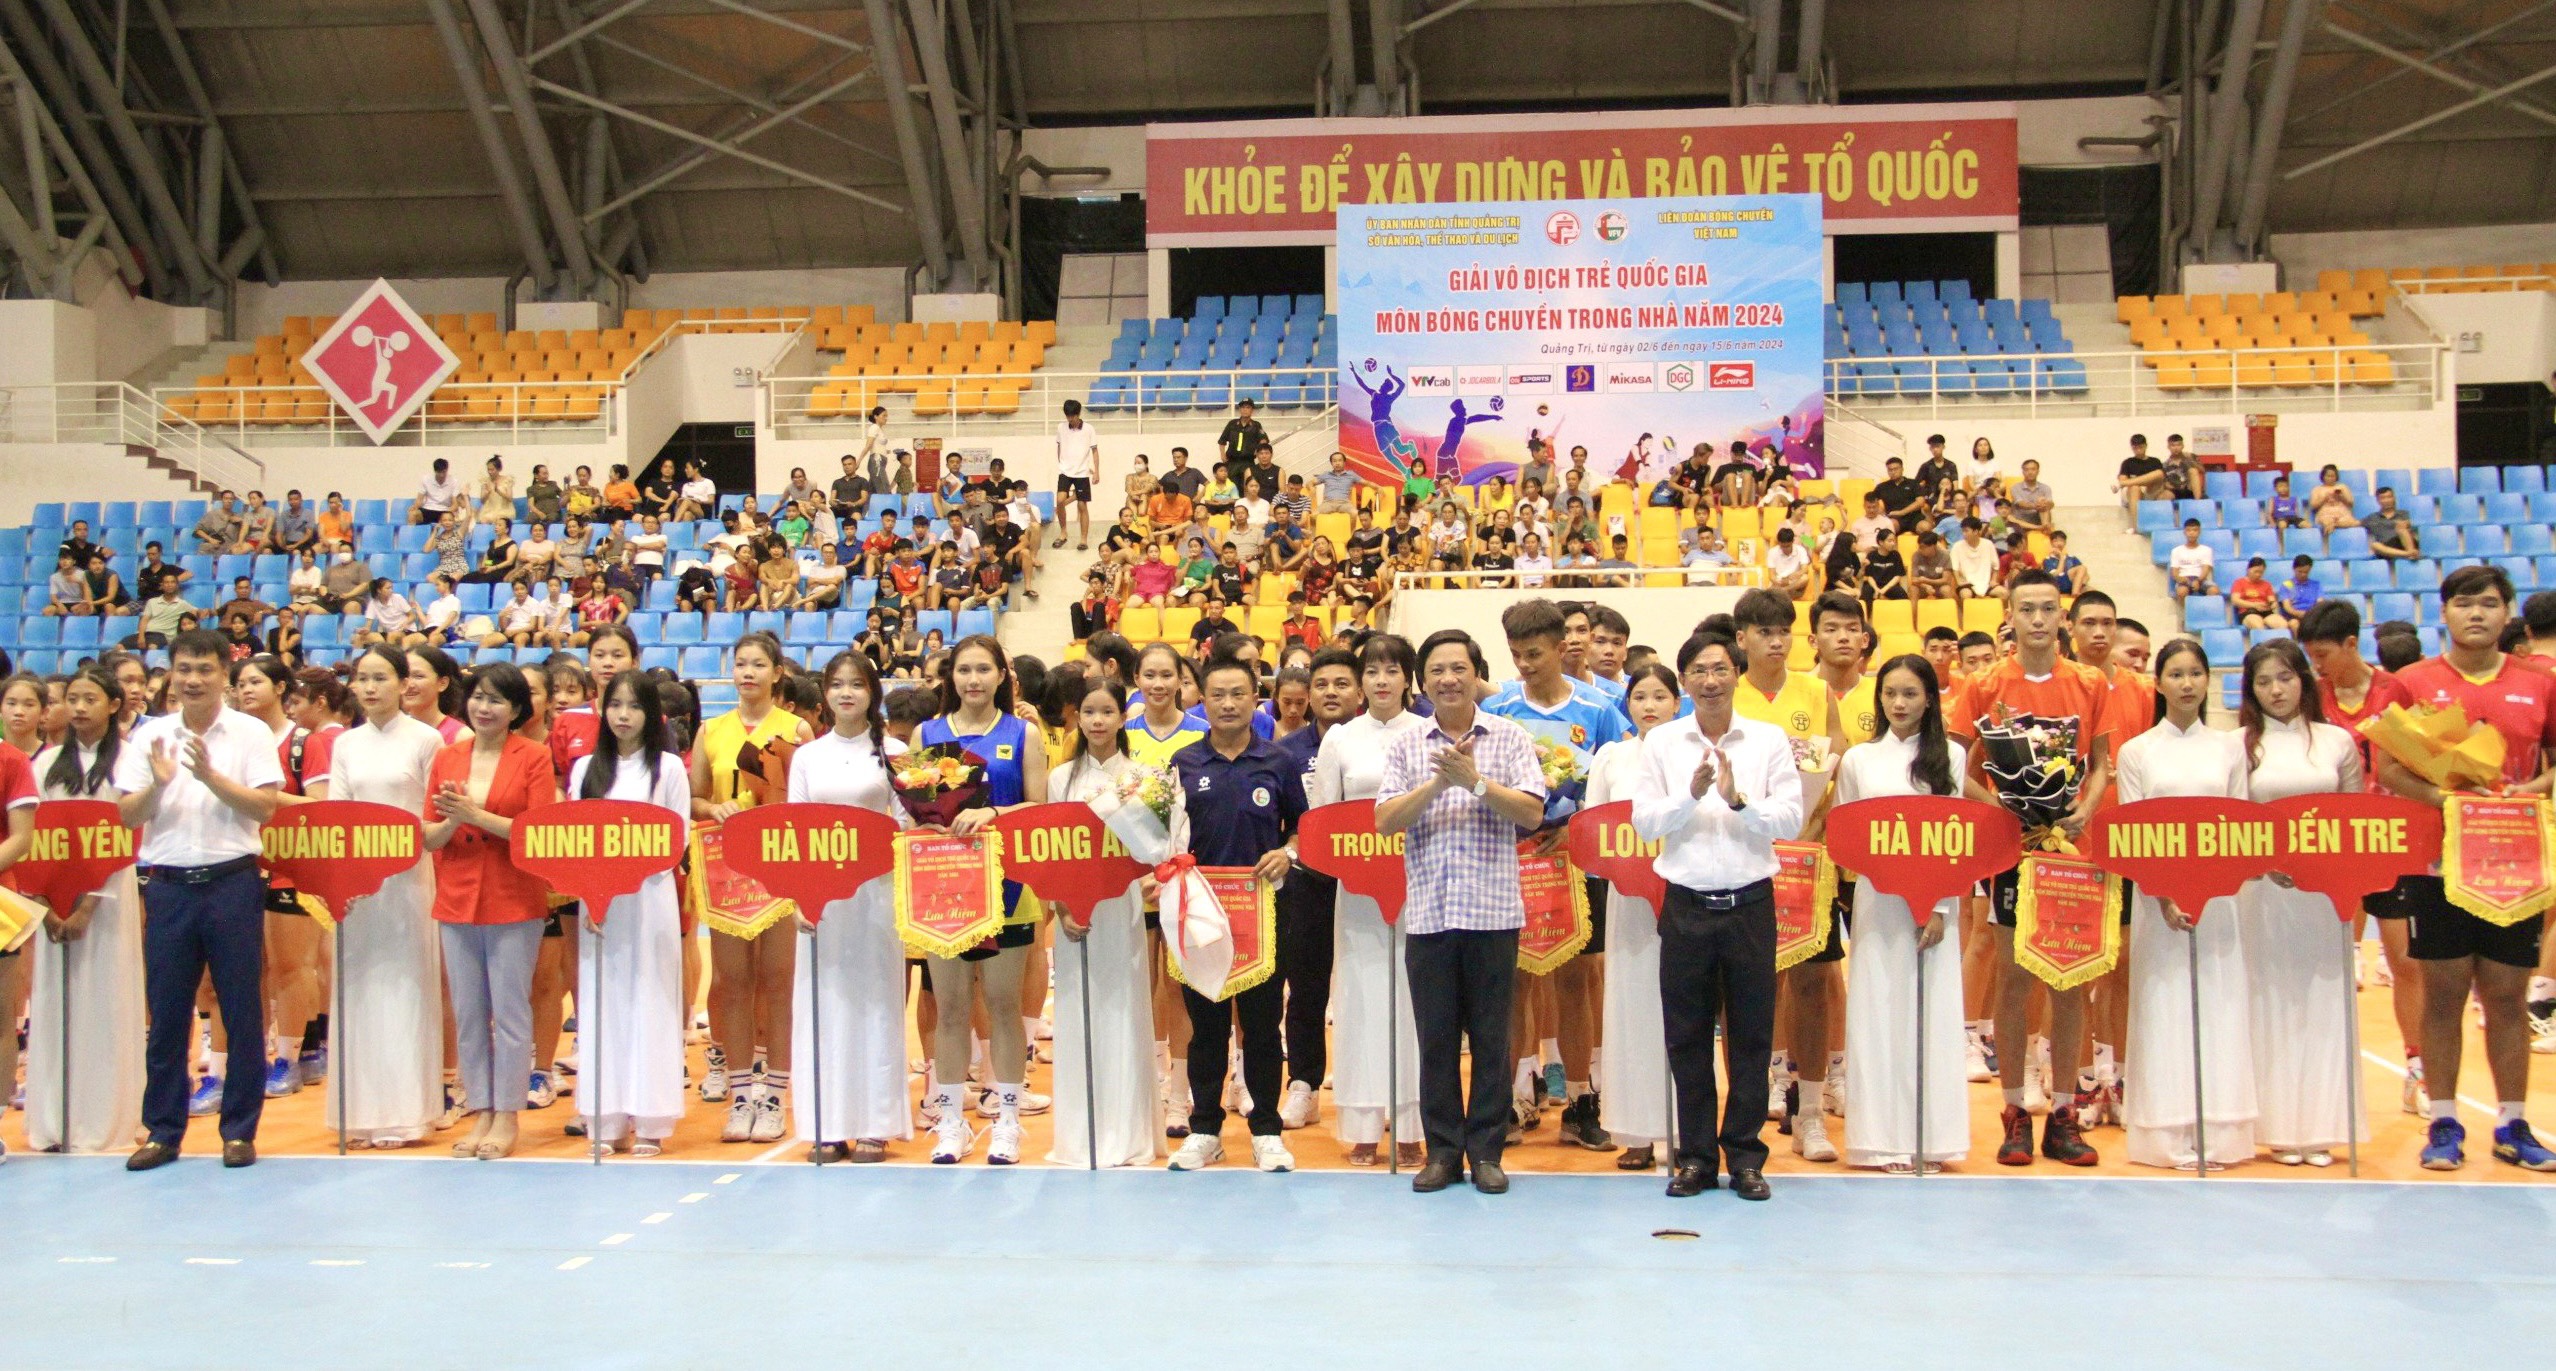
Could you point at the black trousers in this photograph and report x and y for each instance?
(1718, 965)
(1304, 964)
(219, 924)
(1462, 983)
(1211, 1030)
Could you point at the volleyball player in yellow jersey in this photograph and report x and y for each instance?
(1155, 734)
(737, 762)
(1806, 709)
(1842, 640)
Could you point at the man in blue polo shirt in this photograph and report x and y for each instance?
(1242, 795)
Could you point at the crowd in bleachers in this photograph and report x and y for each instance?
(1180, 363)
(864, 561)
(1929, 337)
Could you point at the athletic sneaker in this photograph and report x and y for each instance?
(1175, 1107)
(1779, 1084)
(2443, 1152)
(1198, 1152)
(2417, 1100)
(767, 1115)
(1269, 1153)
(1297, 1107)
(1832, 1100)
(952, 1138)
(207, 1098)
(2542, 1025)
(2016, 1149)
(313, 1064)
(1003, 1145)
(2514, 1143)
(1555, 1088)
(714, 1080)
(2062, 1142)
(1580, 1125)
(740, 1124)
(282, 1078)
(1810, 1138)
(989, 1104)
(2036, 1085)
(1974, 1060)
(543, 1094)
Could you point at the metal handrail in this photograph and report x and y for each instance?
(2473, 285)
(819, 405)
(116, 412)
(2126, 382)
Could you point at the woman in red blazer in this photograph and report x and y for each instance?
(491, 911)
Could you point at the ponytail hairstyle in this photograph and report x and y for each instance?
(448, 696)
(66, 775)
(321, 686)
(770, 647)
(1932, 771)
(398, 659)
(859, 663)
(606, 759)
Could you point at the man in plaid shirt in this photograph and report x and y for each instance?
(1462, 792)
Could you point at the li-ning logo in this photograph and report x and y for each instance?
(1732, 376)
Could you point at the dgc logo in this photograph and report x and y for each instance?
(1563, 228)
(1579, 379)
(1611, 226)
(1732, 376)
(1679, 377)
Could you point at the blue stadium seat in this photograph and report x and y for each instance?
(2205, 611)
(1207, 307)
(806, 628)
(2480, 480)
(2225, 646)
(2524, 480)
(233, 564)
(81, 633)
(698, 662)
(2393, 605)
(1277, 306)
(476, 597)
(13, 543)
(1243, 307)
(2421, 575)
(2207, 511)
(2483, 540)
(2441, 540)
(658, 659)
(151, 513)
(2522, 570)
(2463, 509)
(723, 627)
(2435, 481)
(2373, 576)
(124, 542)
(680, 629)
(115, 514)
(41, 663)
(772, 621)
(926, 620)
(41, 631)
(373, 512)
(2240, 513)
(2547, 572)
(12, 602)
(844, 625)
(2357, 481)
(80, 511)
(2506, 509)
(2348, 544)
(2531, 539)
(970, 622)
(2161, 542)
(648, 626)
(2224, 486)
(2297, 542)
(2259, 542)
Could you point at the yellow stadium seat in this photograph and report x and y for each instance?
(1177, 622)
(1337, 528)
(2368, 369)
(968, 399)
(2205, 306)
(863, 315)
(1932, 614)
(2169, 306)
(932, 399)
(1981, 614)
(1894, 616)
(2148, 331)
(2130, 309)
(1749, 522)
(2214, 370)
(942, 332)
(908, 333)
(2037, 545)
(1006, 331)
(1804, 655)
(1615, 498)
(975, 331)
(2333, 280)
(1898, 645)
(2244, 302)
(1275, 587)
(1040, 331)
(1658, 524)
(1004, 398)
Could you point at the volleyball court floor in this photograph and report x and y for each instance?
(744, 1254)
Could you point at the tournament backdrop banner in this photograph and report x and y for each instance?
(1878, 168)
(1634, 328)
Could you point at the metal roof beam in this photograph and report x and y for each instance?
(233, 177)
(2472, 102)
(711, 145)
(2410, 62)
(714, 145)
(492, 141)
(517, 80)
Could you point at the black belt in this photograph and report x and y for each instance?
(198, 875)
(1731, 899)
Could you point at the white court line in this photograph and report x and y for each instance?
(84, 1261)
(659, 1217)
(723, 1180)
(461, 1266)
(2470, 1101)
(574, 1262)
(767, 1158)
(212, 1261)
(695, 1197)
(325, 1262)
(616, 1240)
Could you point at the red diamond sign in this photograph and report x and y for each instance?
(380, 361)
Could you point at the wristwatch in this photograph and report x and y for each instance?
(1481, 786)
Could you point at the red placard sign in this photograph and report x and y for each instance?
(1066, 855)
(598, 850)
(1925, 849)
(2349, 847)
(78, 846)
(1604, 845)
(1340, 841)
(2189, 849)
(341, 850)
(810, 854)
(1557, 910)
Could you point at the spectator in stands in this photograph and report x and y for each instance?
(698, 497)
(2141, 477)
(155, 564)
(1619, 559)
(67, 593)
(218, 530)
(2069, 572)
(1885, 571)
(1294, 499)
(742, 582)
(1981, 468)
(543, 498)
(1875, 527)
(582, 499)
(284, 640)
(389, 617)
(2392, 535)
(342, 584)
(1170, 505)
(106, 590)
(160, 617)
(1788, 565)
(78, 544)
(799, 489)
(776, 578)
(1937, 472)
(851, 493)
(2030, 503)
(303, 587)
(2330, 501)
(522, 621)
(697, 589)
(1152, 581)
(620, 494)
(338, 523)
(2255, 600)
(2182, 470)
(1974, 562)
(596, 605)
(2302, 591)
(497, 560)
(1211, 625)
(1077, 466)
(1950, 512)
(2284, 510)
(1903, 500)
(1930, 572)
(825, 581)
(793, 524)
(1240, 441)
(494, 493)
(576, 550)
(435, 494)
(659, 489)
(243, 601)
(536, 558)
(1706, 551)
(440, 617)
(1286, 543)
(2190, 566)
(295, 529)
(905, 576)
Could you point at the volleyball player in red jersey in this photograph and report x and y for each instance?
(2458, 950)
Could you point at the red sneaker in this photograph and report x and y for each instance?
(2016, 1150)
(2062, 1142)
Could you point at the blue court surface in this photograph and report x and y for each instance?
(316, 1262)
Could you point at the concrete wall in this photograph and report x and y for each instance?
(2303, 255)
(34, 473)
(2495, 335)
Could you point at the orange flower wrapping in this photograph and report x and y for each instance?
(2443, 746)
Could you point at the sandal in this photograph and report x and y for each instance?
(1364, 1154)
(823, 1154)
(869, 1150)
(1636, 1159)
(647, 1147)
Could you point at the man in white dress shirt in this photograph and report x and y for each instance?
(198, 782)
(1718, 792)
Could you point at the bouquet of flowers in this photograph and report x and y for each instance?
(2443, 746)
(1138, 809)
(938, 783)
(1564, 779)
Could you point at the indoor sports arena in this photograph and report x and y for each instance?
(1546, 656)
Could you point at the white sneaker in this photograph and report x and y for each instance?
(1033, 1102)
(543, 1092)
(714, 1082)
(1271, 1154)
(1197, 1152)
(1810, 1138)
(2036, 1087)
(1832, 1100)
(767, 1114)
(952, 1138)
(1003, 1147)
(1778, 1081)
(740, 1124)
(1298, 1107)
(2417, 1100)
(1974, 1060)
(988, 1104)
